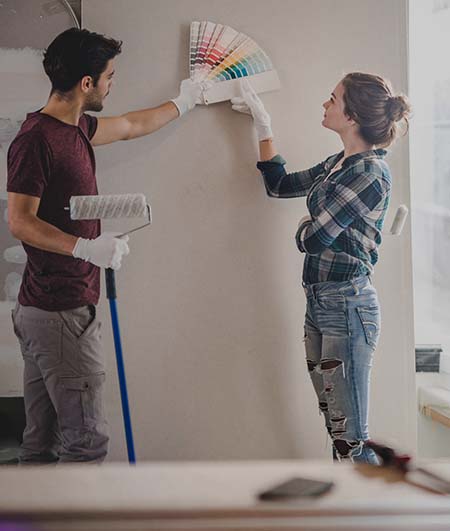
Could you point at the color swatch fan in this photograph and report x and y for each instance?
(220, 56)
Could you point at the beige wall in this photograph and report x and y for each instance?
(210, 299)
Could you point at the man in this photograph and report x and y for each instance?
(50, 160)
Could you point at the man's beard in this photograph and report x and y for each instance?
(94, 103)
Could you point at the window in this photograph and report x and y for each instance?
(430, 172)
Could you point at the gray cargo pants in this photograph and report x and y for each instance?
(64, 376)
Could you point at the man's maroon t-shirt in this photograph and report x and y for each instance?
(53, 160)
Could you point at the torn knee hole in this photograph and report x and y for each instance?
(323, 406)
(344, 447)
(311, 365)
(338, 424)
(328, 365)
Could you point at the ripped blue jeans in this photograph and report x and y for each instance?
(342, 326)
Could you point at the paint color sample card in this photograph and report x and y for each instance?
(221, 56)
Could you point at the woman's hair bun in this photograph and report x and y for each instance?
(397, 107)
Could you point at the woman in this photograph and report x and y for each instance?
(347, 198)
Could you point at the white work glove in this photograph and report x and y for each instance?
(190, 94)
(105, 251)
(250, 103)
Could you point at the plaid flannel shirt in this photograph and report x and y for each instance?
(347, 209)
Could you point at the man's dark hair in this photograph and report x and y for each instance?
(76, 53)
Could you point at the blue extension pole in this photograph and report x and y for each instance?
(111, 294)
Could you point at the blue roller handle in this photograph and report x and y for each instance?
(111, 294)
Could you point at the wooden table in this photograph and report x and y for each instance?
(215, 496)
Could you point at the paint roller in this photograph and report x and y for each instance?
(399, 221)
(111, 207)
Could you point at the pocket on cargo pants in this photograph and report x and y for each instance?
(81, 400)
(80, 411)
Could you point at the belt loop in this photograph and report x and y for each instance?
(355, 287)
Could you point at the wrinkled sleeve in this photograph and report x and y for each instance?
(283, 185)
(348, 201)
(91, 125)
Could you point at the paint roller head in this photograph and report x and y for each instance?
(108, 206)
(399, 220)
